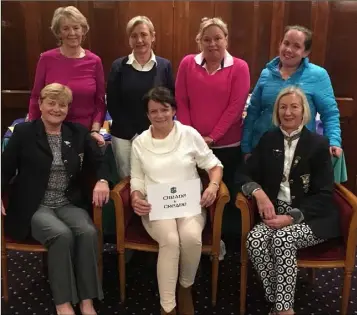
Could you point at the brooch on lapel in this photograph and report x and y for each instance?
(67, 143)
(80, 155)
(296, 161)
(305, 182)
(277, 153)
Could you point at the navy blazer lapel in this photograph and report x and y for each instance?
(278, 154)
(41, 138)
(157, 74)
(302, 148)
(67, 144)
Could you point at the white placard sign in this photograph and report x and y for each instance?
(174, 200)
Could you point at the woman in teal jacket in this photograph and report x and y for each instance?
(292, 67)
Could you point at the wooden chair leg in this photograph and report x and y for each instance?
(215, 267)
(45, 264)
(5, 285)
(121, 267)
(346, 291)
(311, 274)
(100, 260)
(243, 286)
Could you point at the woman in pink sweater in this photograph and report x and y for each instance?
(211, 91)
(75, 67)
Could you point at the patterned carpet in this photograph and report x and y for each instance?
(29, 289)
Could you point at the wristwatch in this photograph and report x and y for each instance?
(297, 215)
(214, 183)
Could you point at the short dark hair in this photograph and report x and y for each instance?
(303, 29)
(160, 95)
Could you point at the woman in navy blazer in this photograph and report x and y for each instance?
(290, 176)
(130, 78)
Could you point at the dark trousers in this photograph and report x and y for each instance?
(72, 242)
(231, 158)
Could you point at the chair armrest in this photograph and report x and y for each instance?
(98, 220)
(216, 215)
(3, 248)
(351, 241)
(120, 194)
(248, 210)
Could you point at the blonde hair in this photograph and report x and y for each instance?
(140, 19)
(207, 22)
(57, 92)
(71, 13)
(305, 104)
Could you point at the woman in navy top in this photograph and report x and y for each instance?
(130, 78)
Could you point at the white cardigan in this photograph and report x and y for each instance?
(169, 160)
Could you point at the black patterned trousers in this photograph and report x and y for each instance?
(273, 253)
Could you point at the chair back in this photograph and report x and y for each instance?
(128, 210)
(346, 213)
(205, 182)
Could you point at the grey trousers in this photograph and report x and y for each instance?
(72, 242)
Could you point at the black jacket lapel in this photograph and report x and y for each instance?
(277, 161)
(41, 138)
(67, 147)
(302, 148)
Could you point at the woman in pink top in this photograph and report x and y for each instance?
(211, 91)
(78, 68)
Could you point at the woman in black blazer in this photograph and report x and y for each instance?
(290, 175)
(44, 160)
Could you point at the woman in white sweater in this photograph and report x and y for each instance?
(169, 152)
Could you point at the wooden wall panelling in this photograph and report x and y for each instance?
(14, 70)
(181, 38)
(340, 62)
(249, 34)
(15, 57)
(320, 14)
(33, 19)
(14, 104)
(265, 17)
(298, 13)
(187, 19)
(242, 25)
(341, 49)
(105, 37)
(277, 26)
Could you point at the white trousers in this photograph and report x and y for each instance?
(180, 247)
(122, 151)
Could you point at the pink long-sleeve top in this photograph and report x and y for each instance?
(213, 103)
(84, 76)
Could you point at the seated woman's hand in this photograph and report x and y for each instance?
(3, 211)
(98, 138)
(208, 140)
(101, 193)
(265, 206)
(279, 221)
(141, 206)
(335, 151)
(247, 156)
(209, 195)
